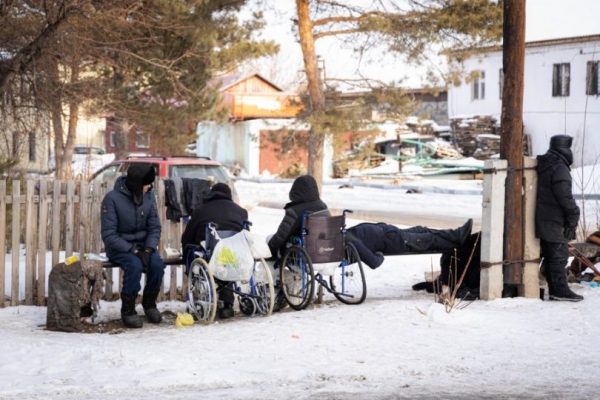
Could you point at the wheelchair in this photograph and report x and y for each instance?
(321, 251)
(254, 293)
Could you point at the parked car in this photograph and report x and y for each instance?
(169, 168)
(81, 153)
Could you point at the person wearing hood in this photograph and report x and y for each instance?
(304, 196)
(219, 208)
(130, 229)
(556, 215)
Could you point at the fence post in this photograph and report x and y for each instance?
(30, 253)
(16, 242)
(2, 240)
(492, 237)
(42, 246)
(531, 282)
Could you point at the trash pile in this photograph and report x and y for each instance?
(421, 147)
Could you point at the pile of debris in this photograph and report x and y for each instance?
(476, 136)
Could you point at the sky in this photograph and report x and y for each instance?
(398, 344)
(545, 19)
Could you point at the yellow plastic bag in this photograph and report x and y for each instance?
(184, 319)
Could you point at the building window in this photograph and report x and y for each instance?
(32, 146)
(561, 77)
(478, 87)
(112, 139)
(501, 82)
(592, 80)
(142, 140)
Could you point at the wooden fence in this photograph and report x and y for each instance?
(45, 221)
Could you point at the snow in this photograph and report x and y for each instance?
(398, 344)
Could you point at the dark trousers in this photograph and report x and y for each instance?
(132, 272)
(556, 256)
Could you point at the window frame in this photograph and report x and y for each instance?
(592, 78)
(478, 86)
(140, 138)
(561, 79)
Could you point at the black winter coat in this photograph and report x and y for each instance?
(555, 207)
(304, 196)
(218, 209)
(124, 224)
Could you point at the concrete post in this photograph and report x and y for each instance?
(530, 287)
(492, 232)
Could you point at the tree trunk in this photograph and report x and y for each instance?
(511, 145)
(315, 91)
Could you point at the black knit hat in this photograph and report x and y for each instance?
(221, 189)
(139, 175)
(561, 142)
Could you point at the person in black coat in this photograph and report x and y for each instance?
(304, 197)
(218, 208)
(130, 229)
(556, 215)
(375, 240)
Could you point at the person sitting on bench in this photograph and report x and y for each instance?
(375, 240)
(131, 229)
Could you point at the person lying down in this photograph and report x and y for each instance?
(373, 241)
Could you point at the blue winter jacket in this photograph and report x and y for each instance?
(123, 224)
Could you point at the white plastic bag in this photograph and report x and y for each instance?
(258, 245)
(231, 259)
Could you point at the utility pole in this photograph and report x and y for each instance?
(511, 143)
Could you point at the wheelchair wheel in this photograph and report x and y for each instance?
(263, 287)
(297, 278)
(202, 292)
(258, 295)
(348, 280)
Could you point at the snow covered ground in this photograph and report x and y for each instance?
(398, 344)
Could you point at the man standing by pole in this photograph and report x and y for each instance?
(556, 215)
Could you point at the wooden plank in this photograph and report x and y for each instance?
(96, 201)
(16, 239)
(84, 219)
(56, 227)
(530, 287)
(492, 233)
(30, 231)
(2, 240)
(42, 230)
(70, 218)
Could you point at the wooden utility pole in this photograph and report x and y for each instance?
(511, 143)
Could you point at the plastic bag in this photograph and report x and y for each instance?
(258, 245)
(231, 259)
(184, 319)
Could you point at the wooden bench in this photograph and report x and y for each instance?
(172, 293)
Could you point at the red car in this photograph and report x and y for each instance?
(169, 168)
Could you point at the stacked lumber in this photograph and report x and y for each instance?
(466, 130)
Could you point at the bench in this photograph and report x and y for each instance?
(172, 293)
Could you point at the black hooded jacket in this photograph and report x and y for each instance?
(304, 196)
(218, 208)
(555, 207)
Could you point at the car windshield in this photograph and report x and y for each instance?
(198, 171)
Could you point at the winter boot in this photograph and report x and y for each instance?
(559, 288)
(280, 301)
(226, 311)
(128, 315)
(457, 236)
(149, 304)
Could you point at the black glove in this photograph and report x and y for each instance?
(144, 256)
(570, 233)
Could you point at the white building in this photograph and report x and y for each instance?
(562, 88)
